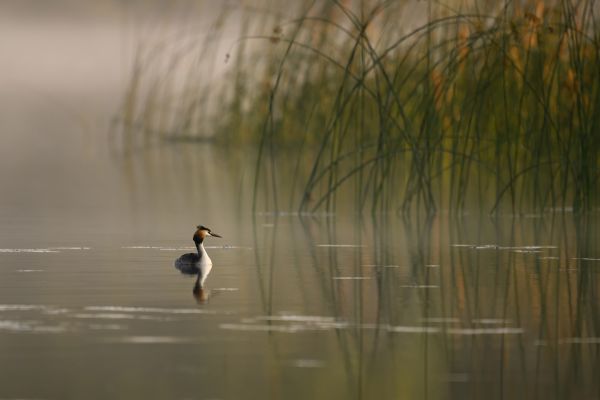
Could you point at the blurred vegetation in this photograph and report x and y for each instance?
(404, 105)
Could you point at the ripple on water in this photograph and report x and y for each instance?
(21, 307)
(315, 214)
(264, 328)
(530, 247)
(413, 329)
(45, 309)
(308, 323)
(28, 251)
(491, 321)
(420, 286)
(186, 248)
(485, 331)
(225, 289)
(107, 327)
(569, 340)
(16, 326)
(308, 363)
(454, 331)
(150, 340)
(351, 278)
(230, 247)
(580, 340)
(30, 327)
(120, 316)
(518, 249)
(292, 318)
(343, 246)
(70, 248)
(44, 250)
(440, 320)
(142, 247)
(286, 324)
(151, 310)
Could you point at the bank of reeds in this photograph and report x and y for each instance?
(403, 107)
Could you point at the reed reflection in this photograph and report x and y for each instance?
(465, 306)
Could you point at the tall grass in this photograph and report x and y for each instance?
(411, 106)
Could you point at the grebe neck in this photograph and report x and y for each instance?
(201, 251)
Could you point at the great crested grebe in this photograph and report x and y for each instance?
(197, 263)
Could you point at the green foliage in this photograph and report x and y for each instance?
(496, 109)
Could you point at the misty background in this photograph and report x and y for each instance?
(64, 68)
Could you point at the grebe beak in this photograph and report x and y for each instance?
(215, 235)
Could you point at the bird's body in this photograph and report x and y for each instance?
(195, 264)
(198, 263)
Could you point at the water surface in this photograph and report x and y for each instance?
(321, 306)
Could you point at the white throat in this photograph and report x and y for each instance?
(204, 258)
(205, 264)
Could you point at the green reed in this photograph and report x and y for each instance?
(485, 107)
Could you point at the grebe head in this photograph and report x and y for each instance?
(202, 232)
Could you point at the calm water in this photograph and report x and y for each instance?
(322, 306)
(312, 307)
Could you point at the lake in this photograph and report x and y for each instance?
(316, 305)
(297, 306)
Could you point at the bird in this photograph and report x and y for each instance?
(198, 263)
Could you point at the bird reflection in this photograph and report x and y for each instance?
(201, 295)
(198, 264)
(193, 269)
